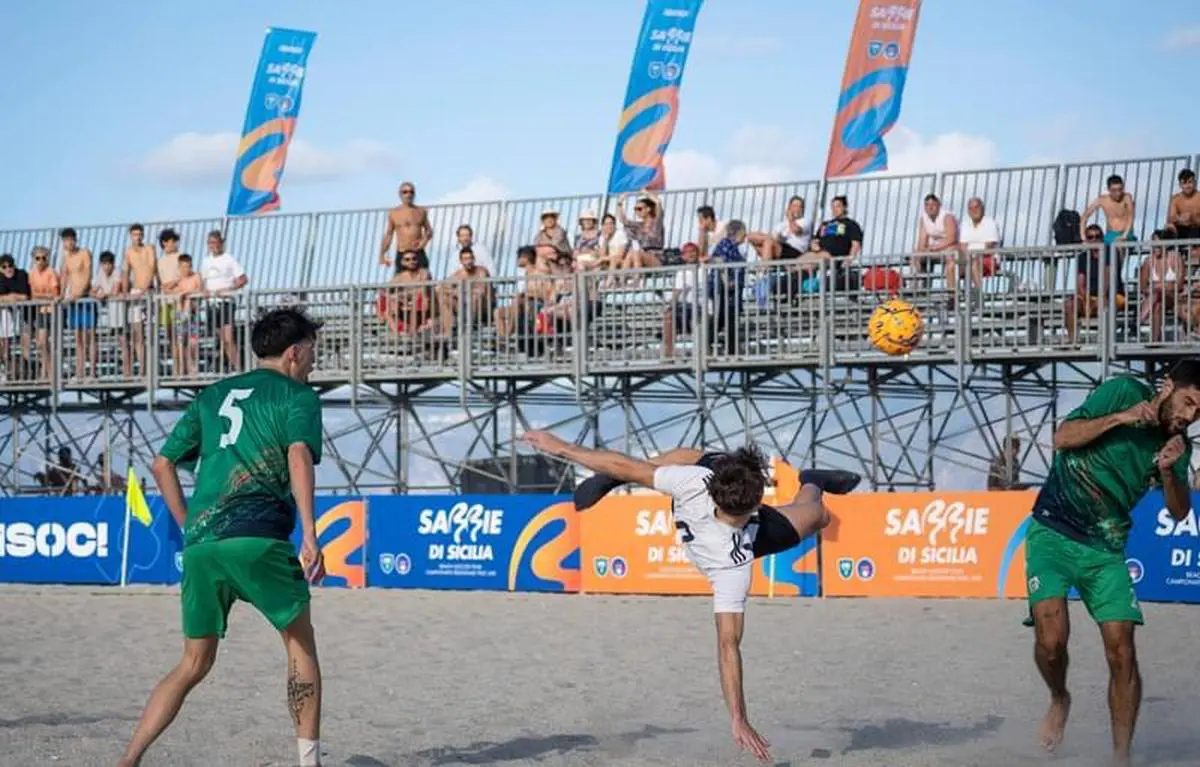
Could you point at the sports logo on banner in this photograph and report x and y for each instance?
(1163, 555)
(652, 97)
(872, 86)
(926, 544)
(501, 542)
(270, 121)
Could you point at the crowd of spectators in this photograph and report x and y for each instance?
(194, 298)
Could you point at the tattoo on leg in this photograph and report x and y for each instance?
(298, 692)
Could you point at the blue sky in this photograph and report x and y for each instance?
(128, 111)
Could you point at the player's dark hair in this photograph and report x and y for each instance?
(277, 330)
(1186, 373)
(738, 481)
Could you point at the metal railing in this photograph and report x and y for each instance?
(302, 250)
(1082, 301)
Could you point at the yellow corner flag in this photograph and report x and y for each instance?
(135, 502)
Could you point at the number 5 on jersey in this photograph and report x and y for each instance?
(231, 412)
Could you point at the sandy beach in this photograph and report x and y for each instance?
(447, 678)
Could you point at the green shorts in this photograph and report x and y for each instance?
(1054, 563)
(262, 571)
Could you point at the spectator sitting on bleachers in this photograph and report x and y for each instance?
(1159, 280)
(138, 274)
(44, 284)
(15, 323)
(551, 240)
(466, 239)
(709, 231)
(109, 291)
(1094, 268)
(614, 243)
(647, 230)
(587, 241)
(524, 304)
(842, 238)
(222, 276)
(80, 311)
(978, 236)
(409, 303)
(937, 240)
(481, 301)
(791, 238)
(679, 316)
(185, 314)
(1183, 212)
(1118, 207)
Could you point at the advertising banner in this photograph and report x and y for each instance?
(630, 546)
(872, 86)
(1164, 555)
(270, 121)
(926, 544)
(79, 540)
(652, 96)
(498, 542)
(342, 535)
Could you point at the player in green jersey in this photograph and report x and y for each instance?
(1123, 440)
(257, 437)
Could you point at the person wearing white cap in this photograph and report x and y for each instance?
(551, 241)
(587, 240)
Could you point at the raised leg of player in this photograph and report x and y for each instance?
(304, 686)
(807, 512)
(168, 696)
(1124, 685)
(1052, 628)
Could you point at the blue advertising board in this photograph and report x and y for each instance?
(79, 540)
(341, 533)
(497, 542)
(1164, 555)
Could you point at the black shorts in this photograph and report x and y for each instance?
(775, 532)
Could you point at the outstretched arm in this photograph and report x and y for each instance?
(608, 462)
(729, 661)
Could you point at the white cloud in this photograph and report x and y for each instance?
(478, 189)
(909, 152)
(756, 154)
(688, 168)
(1182, 38)
(202, 159)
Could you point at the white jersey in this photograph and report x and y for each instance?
(725, 554)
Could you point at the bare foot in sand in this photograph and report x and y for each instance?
(1055, 723)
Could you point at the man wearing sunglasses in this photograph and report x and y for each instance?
(408, 226)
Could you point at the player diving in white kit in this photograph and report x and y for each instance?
(723, 525)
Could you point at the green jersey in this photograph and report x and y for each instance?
(239, 430)
(1091, 490)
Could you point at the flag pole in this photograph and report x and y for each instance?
(125, 535)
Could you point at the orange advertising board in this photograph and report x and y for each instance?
(629, 545)
(926, 544)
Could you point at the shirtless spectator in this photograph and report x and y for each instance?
(45, 286)
(223, 276)
(80, 310)
(168, 275)
(709, 231)
(978, 237)
(138, 273)
(1183, 214)
(551, 241)
(482, 300)
(409, 228)
(109, 291)
(523, 304)
(1093, 270)
(466, 239)
(410, 300)
(15, 322)
(1118, 207)
(185, 312)
(937, 239)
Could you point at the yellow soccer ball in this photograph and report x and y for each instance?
(895, 327)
